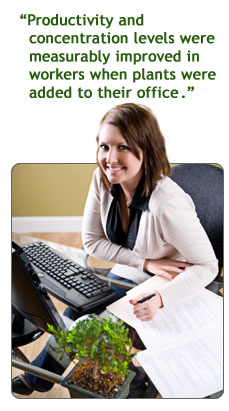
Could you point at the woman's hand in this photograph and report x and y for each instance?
(147, 310)
(162, 266)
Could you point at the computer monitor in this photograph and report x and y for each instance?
(29, 297)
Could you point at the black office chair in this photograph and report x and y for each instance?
(204, 183)
(23, 333)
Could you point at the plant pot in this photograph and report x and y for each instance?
(77, 392)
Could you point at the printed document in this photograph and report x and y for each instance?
(184, 343)
(180, 321)
(192, 369)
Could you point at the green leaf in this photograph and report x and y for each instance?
(100, 339)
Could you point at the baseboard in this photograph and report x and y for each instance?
(47, 224)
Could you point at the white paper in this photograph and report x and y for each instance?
(118, 308)
(184, 341)
(180, 320)
(193, 369)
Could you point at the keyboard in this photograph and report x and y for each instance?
(66, 280)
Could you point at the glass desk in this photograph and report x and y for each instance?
(99, 267)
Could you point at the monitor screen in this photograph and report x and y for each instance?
(29, 296)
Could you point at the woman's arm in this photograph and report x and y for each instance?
(181, 228)
(95, 241)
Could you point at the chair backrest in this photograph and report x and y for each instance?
(204, 183)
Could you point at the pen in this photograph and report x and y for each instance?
(146, 298)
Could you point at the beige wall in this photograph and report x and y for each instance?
(50, 189)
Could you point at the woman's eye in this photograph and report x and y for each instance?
(123, 147)
(104, 147)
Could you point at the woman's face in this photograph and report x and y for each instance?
(116, 159)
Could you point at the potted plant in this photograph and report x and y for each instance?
(103, 352)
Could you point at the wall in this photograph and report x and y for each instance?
(49, 197)
(50, 189)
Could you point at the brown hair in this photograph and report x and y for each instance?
(140, 129)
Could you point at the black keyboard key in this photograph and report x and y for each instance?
(96, 292)
(106, 288)
(69, 271)
(75, 270)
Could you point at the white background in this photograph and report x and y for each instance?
(63, 130)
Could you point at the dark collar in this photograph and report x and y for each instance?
(138, 201)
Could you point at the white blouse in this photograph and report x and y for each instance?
(169, 228)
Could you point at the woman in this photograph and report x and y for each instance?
(138, 217)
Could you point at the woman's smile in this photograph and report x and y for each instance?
(114, 169)
(114, 172)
